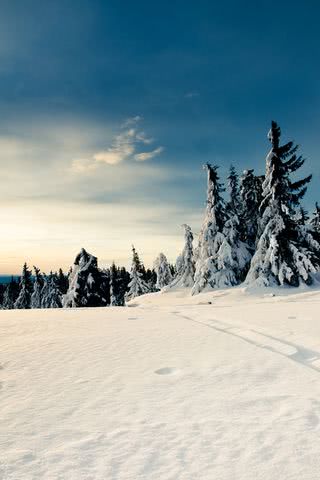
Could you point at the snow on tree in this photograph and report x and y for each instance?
(51, 295)
(222, 258)
(24, 299)
(234, 204)
(211, 237)
(287, 253)
(184, 276)
(315, 220)
(302, 217)
(87, 284)
(137, 285)
(112, 283)
(10, 295)
(36, 295)
(163, 271)
(250, 200)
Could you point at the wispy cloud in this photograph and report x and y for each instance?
(142, 157)
(125, 145)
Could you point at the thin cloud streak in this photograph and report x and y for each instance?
(124, 146)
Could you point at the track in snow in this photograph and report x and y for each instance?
(298, 353)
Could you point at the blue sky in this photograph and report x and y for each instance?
(109, 109)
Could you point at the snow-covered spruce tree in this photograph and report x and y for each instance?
(233, 204)
(287, 253)
(10, 295)
(250, 200)
(36, 295)
(163, 271)
(184, 276)
(87, 284)
(24, 299)
(211, 237)
(51, 295)
(222, 257)
(137, 285)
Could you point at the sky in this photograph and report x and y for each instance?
(109, 109)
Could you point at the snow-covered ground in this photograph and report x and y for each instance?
(172, 388)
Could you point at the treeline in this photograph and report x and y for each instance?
(260, 235)
(85, 285)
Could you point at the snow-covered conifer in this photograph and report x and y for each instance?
(24, 299)
(211, 237)
(184, 268)
(223, 258)
(234, 192)
(37, 288)
(137, 285)
(10, 295)
(163, 271)
(87, 284)
(250, 200)
(287, 253)
(51, 295)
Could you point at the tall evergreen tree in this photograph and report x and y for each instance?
(286, 253)
(250, 199)
(234, 204)
(51, 295)
(222, 258)
(87, 284)
(185, 268)
(211, 237)
(163, 272)
(36, 295)
(137, 285)
(24, 299)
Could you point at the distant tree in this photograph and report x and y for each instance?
(63, 282)
(36, 296)
(137, 285)
(24, 299)
(51, 295)
(87, 284)
(286, 254)
(163, 272)
(10, 294)
(184, 268)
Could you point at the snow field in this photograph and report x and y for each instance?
(173, 388)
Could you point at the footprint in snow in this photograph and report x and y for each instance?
(167, 371)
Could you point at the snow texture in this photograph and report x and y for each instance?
(174, 388)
